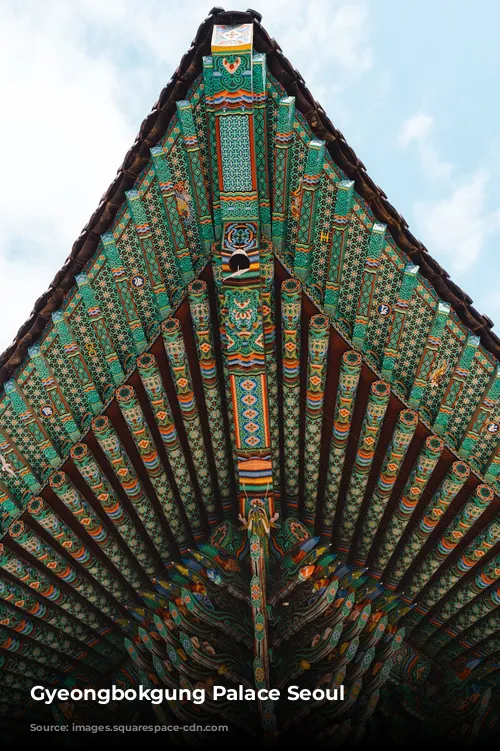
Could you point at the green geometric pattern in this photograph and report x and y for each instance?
(330, 380)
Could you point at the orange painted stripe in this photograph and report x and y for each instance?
(235, 410)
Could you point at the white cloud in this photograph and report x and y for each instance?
(62, 138)
(77, 80)
(329, 41)
(491, 303)
(416, 128)
(435, 167)
(457, 227)
(419, 129)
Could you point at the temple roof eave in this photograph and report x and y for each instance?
(150, 132)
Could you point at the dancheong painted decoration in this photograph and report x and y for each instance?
(250, 436)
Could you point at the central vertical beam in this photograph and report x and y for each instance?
(232, 99)
(239, 268)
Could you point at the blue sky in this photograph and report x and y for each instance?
(412, 85)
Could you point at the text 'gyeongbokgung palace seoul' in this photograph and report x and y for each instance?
(250, 436)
